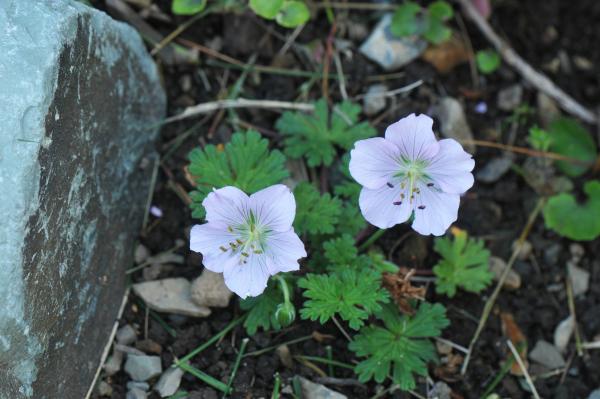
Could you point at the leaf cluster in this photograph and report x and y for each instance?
(401, 346)
(430, 23)
(464, 264)
(316, 213)
(316, 136)
(261, 309)
(245, 162)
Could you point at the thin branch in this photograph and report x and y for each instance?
(339, 326)
(211, 106)
(523, 368)
(537, 79)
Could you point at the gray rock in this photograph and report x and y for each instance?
(494, 169)
(580, 279)
(141, 254)
(142, 367)
(171, 295)
(526, 249)
(126, 335)
(113, 364)
(388, 51)
(453, 122)
(136, 393)
(595, 394)
(509, 98)
(104, 389)
(142, 386)
(81, 102)
(310, 390)
(169, 382)
(440, 390)
(563, 333)
(577, 251)
(513, 279)
(374, 101)
(547, 355)
(210, 290)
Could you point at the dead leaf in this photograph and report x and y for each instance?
(402, 290)
(449, 368)
(511, 330)
(446, 56)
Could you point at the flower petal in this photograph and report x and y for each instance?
(435, 211)
(274, 207)
(414, 136)
(208, 239)
(248, 279)
(373, 162)
(451, 168)
(383, 207)
(284, 250)
(227, 205)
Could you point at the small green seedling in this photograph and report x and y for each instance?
(539, 139)
(464, 264)
(488, 61)
(430, 23)
(563, 214)
(316, 136)
(286, 13)
(188, 7)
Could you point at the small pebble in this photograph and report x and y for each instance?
(149, 346)
(563, 333)
(513, 279)
(126, 335)
(577, 251)
(453, 122)
(169, 382)
(143, 368)
(547, 355)
(113, 364)
(440, 390)
(374, 101)
(494, 169)
(104, 389)
(525, 251)
(580, 279)
(510, 97)
(141, 254)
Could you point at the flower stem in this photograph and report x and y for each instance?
(371, 240)
(284, 288)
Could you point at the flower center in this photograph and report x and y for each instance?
(251, 239)
(411, 172)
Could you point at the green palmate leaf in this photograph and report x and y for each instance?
(464, 264)
(316, 136)
(262, 309)
(315, 213)
(353, 294)
(487, 61)
(571, 139)
(576, 221)
(266, 8)
(405, 20)
(440, 10)
(187, 7)
(293, 14)
(245, 163)
(341, 251)
(350, 221)
(401, 347)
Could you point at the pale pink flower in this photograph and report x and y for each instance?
(248, 238)
(411, 171)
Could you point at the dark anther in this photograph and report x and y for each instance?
(421, 207)
(429, 184)
(398, 203)
(390, 185)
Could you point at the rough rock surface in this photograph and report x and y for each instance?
(170, 295)
(210, 290)
(80, 106)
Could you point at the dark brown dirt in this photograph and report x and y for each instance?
(496, 211)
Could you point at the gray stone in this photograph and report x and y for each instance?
(142, 367)
(210, 290)
(510, 97)
(81, 102)
(374, 100)
(513, 279)
(563, 333)
(143, 386)
(171, 295)
(580, 278)
(595, 394)
(126, 335)
(113, 364)
(525, 251)
(547, 355)
(310, 390)
(168, 382)
(388, 51)
(494, 169)
(453, 122)
(136, 393)
(104, 389)
(440, 390)
(141, 254)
